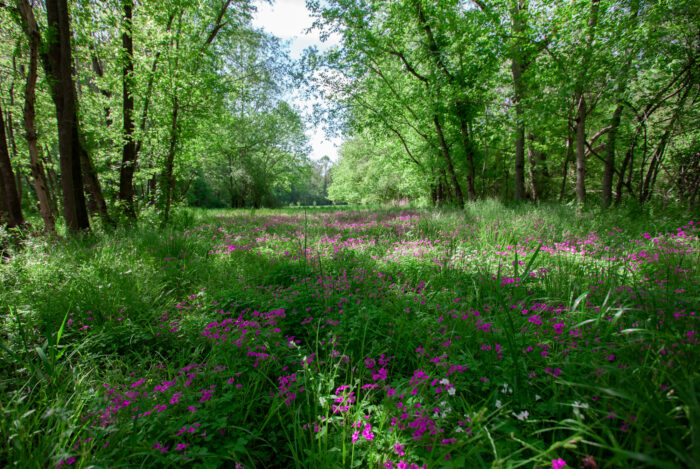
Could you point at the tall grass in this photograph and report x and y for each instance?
(497, 336)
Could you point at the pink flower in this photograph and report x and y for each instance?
(355, 436)
(367, 432)
(558, 463)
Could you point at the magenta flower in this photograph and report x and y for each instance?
(558, 463)
(367, 432)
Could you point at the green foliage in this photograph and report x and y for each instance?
(480, 70)
(343, 338)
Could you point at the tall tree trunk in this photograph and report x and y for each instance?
(9, 185)
(13, 147)
(534, 183)
(38, 174)
(567, 158)
(580, 136)
(75, 162)
(59, 67)
(448, 160)
(94, 188)
(609, 169)
(126, 175)
(469, 152)
(52, 178)
(98, 69)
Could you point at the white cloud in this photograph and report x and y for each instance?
(290, 20)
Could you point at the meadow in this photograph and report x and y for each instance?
(498, 336)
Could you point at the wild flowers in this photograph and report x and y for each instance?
(405, 348)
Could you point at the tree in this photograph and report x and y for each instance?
(8, 186)
(126, 173)
(31, 30)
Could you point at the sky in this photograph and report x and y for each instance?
(289, 20)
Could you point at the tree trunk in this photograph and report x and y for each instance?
(13, 146)
(609, 169)
(448, 160)
(126, 175)
(648, 185)
(9, 185)
(567, 158)
(531, 169)
(60, 71)
(469, 152)
(581, 150)
(94, 188)
(38, 174)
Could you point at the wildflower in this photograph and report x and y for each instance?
(355, 436)
(138, 383)
(367, 432)
(558, 463)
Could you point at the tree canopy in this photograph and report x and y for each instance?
(110, 108)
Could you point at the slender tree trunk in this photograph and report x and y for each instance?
(94, 187)
(13, 147)
(98, 69)
(52, 178)
(12, 206)
(567, 158)
(581, 150)
(531, 170)
(469, 152)
(126, 175)
(3, 205)
(648, 185)
(38, 174)
(448, 160)
(609, 169)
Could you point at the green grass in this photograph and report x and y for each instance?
(497, 336)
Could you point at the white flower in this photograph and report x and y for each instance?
(537, 397)
(522, 415)
(444, 381)
(451, 391)
(498, 404)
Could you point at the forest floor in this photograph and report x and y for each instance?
(396, 338)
